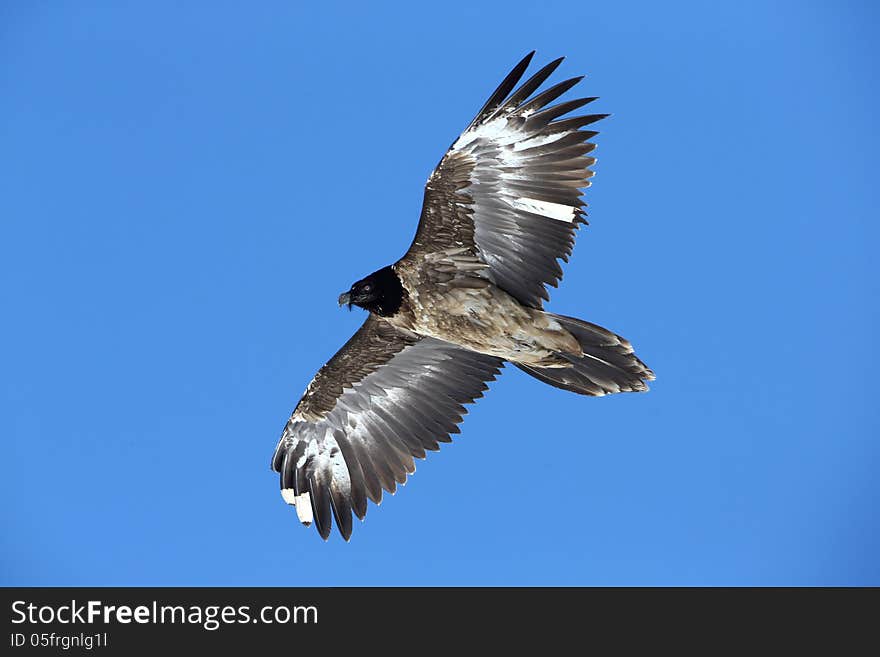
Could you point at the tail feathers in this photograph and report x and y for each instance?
(607, 366)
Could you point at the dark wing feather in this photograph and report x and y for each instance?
(509, 189)
(383, 399)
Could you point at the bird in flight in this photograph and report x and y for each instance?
(500, 210)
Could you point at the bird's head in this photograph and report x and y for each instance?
(381, 293)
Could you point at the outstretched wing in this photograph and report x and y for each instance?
(509, 187)
(383, 399)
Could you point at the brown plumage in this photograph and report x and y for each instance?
(449, 296)
(500, 210)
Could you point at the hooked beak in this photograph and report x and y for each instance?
(345, 299)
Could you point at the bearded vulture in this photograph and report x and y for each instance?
(500, 210)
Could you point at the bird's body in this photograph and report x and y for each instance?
(500, 210)
(448, 297)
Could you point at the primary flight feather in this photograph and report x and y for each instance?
(500, 210)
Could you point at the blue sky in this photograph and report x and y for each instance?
(186, 190)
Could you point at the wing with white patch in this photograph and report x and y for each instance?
(510, 187)
(383, 399)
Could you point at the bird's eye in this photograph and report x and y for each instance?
(368, 288)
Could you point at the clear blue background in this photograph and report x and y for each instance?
(184, 191)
